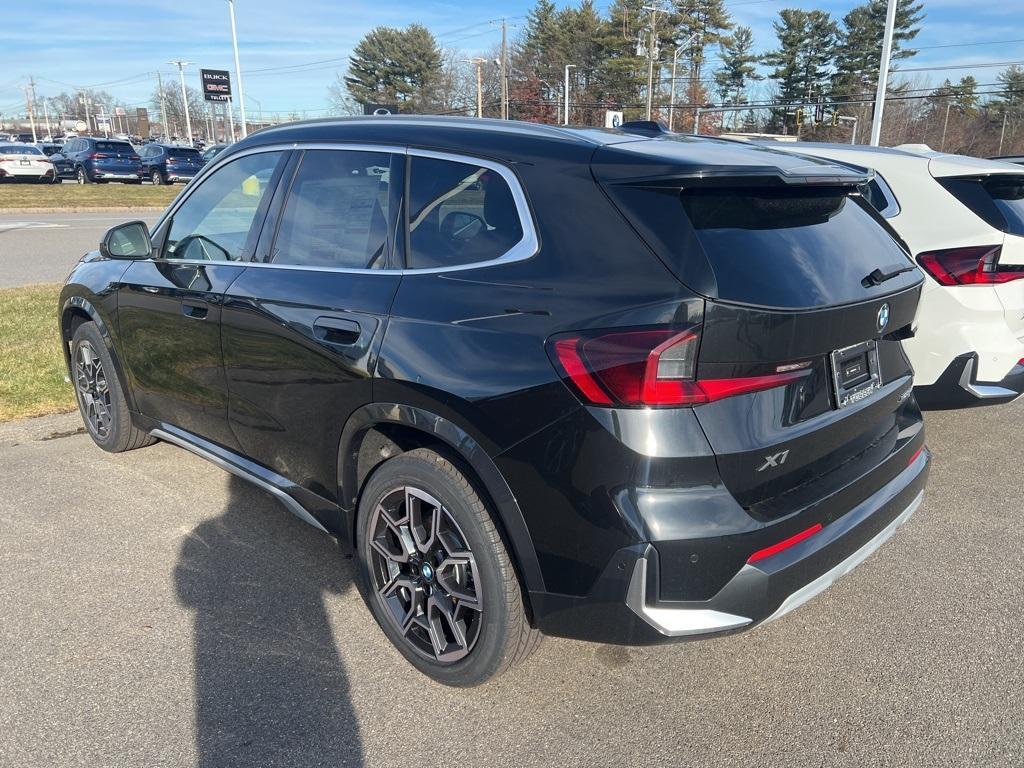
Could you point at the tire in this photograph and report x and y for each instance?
(472, 600)
(101, 400)
(157, 178)
(81, 176)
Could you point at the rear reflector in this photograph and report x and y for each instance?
(653, 367)
(969, 266)
(917, 453)
(793, 540)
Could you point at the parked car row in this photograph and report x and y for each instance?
(615, 385)
(93, 160)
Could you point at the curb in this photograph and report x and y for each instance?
(86, 209)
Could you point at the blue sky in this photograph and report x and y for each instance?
(119, 45)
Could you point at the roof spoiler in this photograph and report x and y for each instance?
(758, 176)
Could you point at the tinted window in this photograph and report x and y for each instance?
(15, 150)
(998, 199)
(216, 220)
(789, 247)
(183, 154)
(880, 197)
(459, 214)
(114, 146)
(337, 211)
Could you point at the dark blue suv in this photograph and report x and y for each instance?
(167, 163)
(91, 160)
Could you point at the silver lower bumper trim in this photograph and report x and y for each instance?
(676, 622)
(826, 579)
(981, 391)
(679, 622)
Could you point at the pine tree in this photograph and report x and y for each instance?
(739, 68)
(803, 61)
(860, 44)
(709, 21)
(398, 66)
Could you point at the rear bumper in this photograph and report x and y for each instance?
(958, 387)
(624, 607)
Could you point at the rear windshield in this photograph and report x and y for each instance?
(183, 154)
(114, 146)
(998, 199)
(791, 248)
(19, 151)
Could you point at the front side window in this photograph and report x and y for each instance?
(337, 211)
(215, 223)
(459, 213)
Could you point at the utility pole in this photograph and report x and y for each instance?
(184, 98)
(567, 68)
(883, 73)
(30, 100)
(84, 101)
(504, 71)
(652, 53)
(238, 69)
(46, 117)
(231, 118)
(945, 124)
(1002, 133)
(163, 108)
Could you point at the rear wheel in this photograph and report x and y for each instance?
(157, 178)
(436, 573)
(101, 400)
(81, 176)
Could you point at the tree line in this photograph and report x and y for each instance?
(716, 63)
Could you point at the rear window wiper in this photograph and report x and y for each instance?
(881, 274)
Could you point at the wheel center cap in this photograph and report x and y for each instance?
(427, 571)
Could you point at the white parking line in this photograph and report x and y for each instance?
(30, 225)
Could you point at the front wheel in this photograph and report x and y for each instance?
(101, 400)
(436, 574)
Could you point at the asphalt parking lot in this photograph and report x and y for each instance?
(157, 611)
(43, 247)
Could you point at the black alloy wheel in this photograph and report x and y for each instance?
(425, 574)
(93, 391)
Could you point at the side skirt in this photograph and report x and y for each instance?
(283, 489)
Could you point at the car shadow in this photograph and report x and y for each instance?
(270, 685)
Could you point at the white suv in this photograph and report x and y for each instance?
(963, 219)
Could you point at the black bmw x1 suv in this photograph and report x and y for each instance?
(625, 386)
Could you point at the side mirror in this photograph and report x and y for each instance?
(127, 241)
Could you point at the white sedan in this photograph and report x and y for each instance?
(24, 162)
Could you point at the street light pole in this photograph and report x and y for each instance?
(238, 68)
(883, 73)
(567, 68)
(184, 98)
(651, 54)
(672, 88)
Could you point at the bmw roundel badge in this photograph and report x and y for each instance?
(883, 316)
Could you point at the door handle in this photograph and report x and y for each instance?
(336, 330)
(194, 310)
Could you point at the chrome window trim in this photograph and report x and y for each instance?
(526, 248)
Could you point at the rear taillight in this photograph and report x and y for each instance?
(648, 368)
(134, 158)
(969, 266)
(98, 156)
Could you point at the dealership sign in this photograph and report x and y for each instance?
(216, 84)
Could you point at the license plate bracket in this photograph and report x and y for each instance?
(855, 373)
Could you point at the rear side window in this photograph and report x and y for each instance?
(792, 248)
(997, 199)
(459, 213)
(337, 212)
(880, 197)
